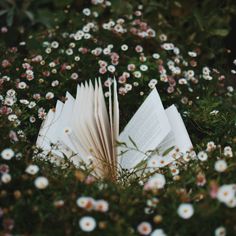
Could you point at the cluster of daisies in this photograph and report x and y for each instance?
(157, 181)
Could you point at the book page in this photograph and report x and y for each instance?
(42, 140)
(93, 131)
(103, 119)
(114, 120)
(116, 115)
(65, 127)
(50, 134)
(181, 137)
(99, 127)
(112, 126)
(178, 138)
(147, 128)
(80, 133)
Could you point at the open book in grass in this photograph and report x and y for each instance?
(84, 129)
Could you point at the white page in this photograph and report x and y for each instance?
(102, 116)
(65, 122)
(51, 133)
(147, 128)
(178, 137)
(182, 139)
(96, 98)
(42, 140)
(116, 115)
(116, 121)
(112, 127)
(77, 122)
(93, 132)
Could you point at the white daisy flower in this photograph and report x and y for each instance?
(156, 55)
(69, 51)
(214, 112)
(162, 37)
(54, 44)
(144, 228)
(156, 161)
(143, 67)
(85, 203)
(22, 85)
(185, 210)
(220, 165)
(157, 181)
(182, 81)
(52, 64)
(186, 157)
(32, 105)
(6, 178)
(158, 232)
(226, 193)
(111, 68)
(32, 169)
(228, 151)
(86, 11)
(9, 101)
(202, 156)
(152, 202)
(24, 101)
(77, 58)
(49, 95)
(101, 205)
(41, 182)
(55, 83)
(220, 231)
(87, 223)
(74, 76)
(137, 74)
(12, 117)
(87, 36)
(211, 146)
(230, 89)
(192, 54)
(7, 154)
(48, 50)
(124, 47)
(11, 92)
(206, 71)
(174, 170)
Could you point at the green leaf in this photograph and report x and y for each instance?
(121, 144)
(2, 12)
(199, 20)
(220, 32)
(168, 151)
(30, 15)
(132, 141)
(10, 17)
(142, 163)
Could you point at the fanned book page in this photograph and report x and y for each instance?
(147, 128)
(83, 129)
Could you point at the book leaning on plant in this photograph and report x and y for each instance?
(83, 129)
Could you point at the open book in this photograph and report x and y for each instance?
(83, 129)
